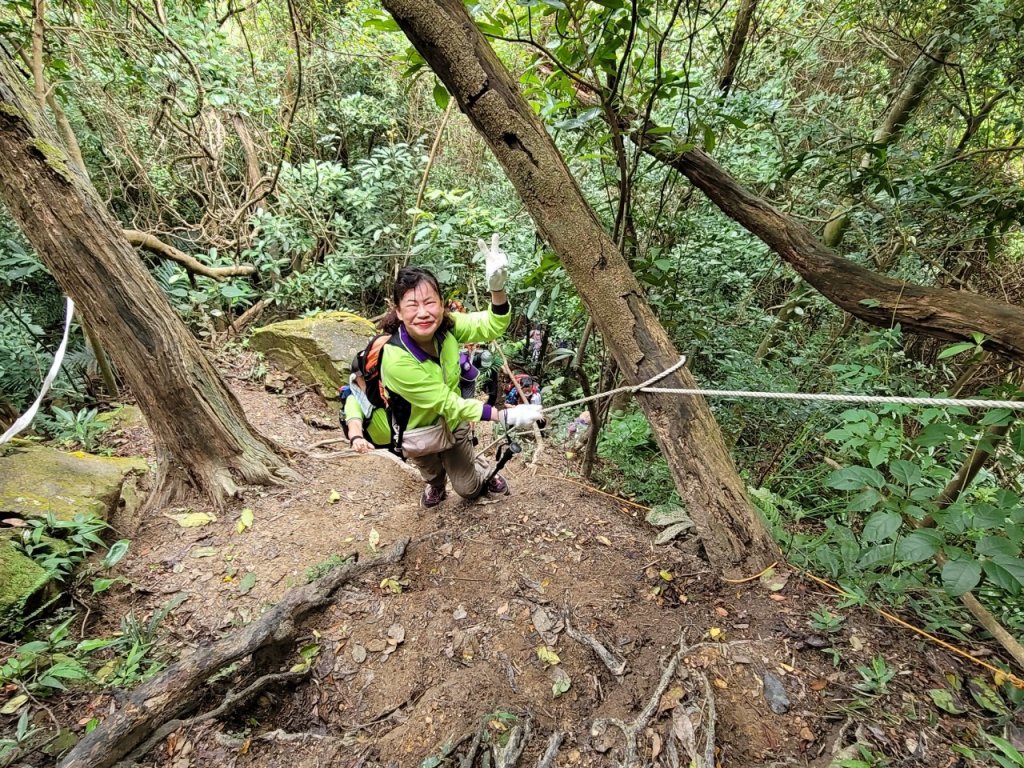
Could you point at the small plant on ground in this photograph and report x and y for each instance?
(77, 428)
(11, 748)
(823, 620)
(876, 677)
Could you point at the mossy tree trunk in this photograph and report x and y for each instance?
(732, 533)
(203, 438)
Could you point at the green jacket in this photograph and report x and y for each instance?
(378, 430)
(431, 386)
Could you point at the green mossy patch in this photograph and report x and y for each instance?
(22, 584)
(54, 157)
(35, 480)
(315, 350)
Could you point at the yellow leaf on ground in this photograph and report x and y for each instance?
(13, 705)
(546, 655)
(192, 519)
(374, 539)
(714, 633)
(604, 540)
(334, 498)
(245, 520)
(666, 575)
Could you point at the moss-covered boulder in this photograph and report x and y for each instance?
(315, 350)
(22, 586)
(123, 417)
(35, 480)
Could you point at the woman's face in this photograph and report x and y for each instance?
(421, 311)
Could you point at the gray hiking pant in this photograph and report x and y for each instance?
(468, 475)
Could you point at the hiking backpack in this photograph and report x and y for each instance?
(371, 359)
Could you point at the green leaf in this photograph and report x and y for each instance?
(882, 526)
(247, 583)
(865, 501)
(1012, 564)
(116, 553)
(955, 349)
(945, 700)
(883, 554)
(574, 123)
(990, 546)
(986, 696)
(709, 139)
(998, 416)
(102, 585)
(959, 576)
(877, 454)
(441, 96)
(905, 472)
(1000, 576)
(918, 546)
(855, 478)
(382, 24)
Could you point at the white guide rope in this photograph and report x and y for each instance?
(26, 418)
(942, 402)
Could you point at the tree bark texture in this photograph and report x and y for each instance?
(737, 42)
(202, 435)
(176, 690)
(730, 529)
(872, 297)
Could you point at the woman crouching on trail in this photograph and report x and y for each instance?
(420, 371)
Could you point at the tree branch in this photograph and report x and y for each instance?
(153, 244)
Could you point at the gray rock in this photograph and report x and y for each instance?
(775, 694)
(315, 350)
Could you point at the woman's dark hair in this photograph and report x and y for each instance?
(407, 280)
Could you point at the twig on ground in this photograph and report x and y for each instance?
(710, 720)
(615, 664)
(548, 758)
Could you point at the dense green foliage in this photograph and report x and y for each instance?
(293, 144)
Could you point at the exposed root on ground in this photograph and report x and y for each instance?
(173, 693)
(615, 664)
(229, 704)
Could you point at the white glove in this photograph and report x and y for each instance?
(522, 415)
(495, 263)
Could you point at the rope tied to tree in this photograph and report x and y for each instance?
(942, 402)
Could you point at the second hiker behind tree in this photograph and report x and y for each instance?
(420, 369)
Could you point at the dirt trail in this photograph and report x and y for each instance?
(413, 661)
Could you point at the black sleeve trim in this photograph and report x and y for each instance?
(500, 309)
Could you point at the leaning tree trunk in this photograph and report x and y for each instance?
(202, 436)
(732, 533)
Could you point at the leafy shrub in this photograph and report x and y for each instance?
(639, 470)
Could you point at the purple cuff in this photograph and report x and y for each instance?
(488, 412)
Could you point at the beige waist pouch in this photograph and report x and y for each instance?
(424, 441)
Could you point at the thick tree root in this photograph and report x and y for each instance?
(615, 664)
(174, 692)
(230, 703)
(633, 730)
